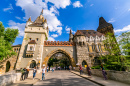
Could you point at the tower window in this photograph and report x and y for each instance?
(37, 39)
(30, 38)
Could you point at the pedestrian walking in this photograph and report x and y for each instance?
(88, 70)
(47, 68)
(22, 73)
(103, 72)
(43, 72)
(27, 72)
(34, 72)
(80, 69)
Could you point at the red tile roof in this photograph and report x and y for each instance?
(88, 33)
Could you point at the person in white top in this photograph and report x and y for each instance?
(43, 72)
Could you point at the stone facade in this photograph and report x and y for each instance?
(10, 61)
(83, 46)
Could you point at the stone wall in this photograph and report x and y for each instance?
(120, 76)
(12, 77)
(9, 78)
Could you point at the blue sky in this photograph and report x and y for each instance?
(63, 15)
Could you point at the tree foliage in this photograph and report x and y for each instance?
(125, 46)
(7, 38)
(113, 60)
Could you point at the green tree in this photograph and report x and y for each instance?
(114, 60)
(7, 38)
(125, 46)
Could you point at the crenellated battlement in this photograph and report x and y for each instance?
(57, 43)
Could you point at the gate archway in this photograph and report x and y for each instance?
(8, 66)
(46, 59)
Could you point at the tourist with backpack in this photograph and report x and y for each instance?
(34, 72)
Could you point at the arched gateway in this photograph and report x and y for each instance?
(45, 61)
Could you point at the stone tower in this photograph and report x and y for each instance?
(70, 36)
(32, 46)
(104, 27)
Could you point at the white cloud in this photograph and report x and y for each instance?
(20, 18)
(68, 29)
(33, 8)
(126, 28)
(54, 35)
(50, 39)
(59, 3)
(19, 26)
(111, 21)
(10, 7)
(128, 9)
(77, 4)
(91, 4)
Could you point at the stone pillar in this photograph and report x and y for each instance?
(97, 49)
(90, 48)
(21, 52)
(102, 47)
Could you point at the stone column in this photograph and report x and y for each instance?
(90, 48)
(102, 47)
(21, 52)
(97, 49)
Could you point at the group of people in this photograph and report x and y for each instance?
(88, 69)
(24, 74)
(43, 72)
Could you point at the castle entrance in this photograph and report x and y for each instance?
(59, 61)
(59, 58)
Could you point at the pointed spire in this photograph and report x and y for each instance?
(45, 21)
(102, 21)
(29, 18)
(70, 31)
(41, 12)
(42, 20)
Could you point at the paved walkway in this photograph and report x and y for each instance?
(100, 80)
(29, 81)
(64, 78)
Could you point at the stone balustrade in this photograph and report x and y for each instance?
(12, 77)
(120, 76)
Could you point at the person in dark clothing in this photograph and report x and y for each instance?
(25, 73)
(88, 70)
(103, 72)
(22, 73)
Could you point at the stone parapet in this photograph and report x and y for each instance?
(57, 43)
(120, 76)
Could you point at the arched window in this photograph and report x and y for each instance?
(93, 47)
(88, 47)
(105, 46)
(84, 63)
(33, 64)
(31, 48)
(96, 60)
(7, 66)
(37, 39)
(30, 39)
(99, 47)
